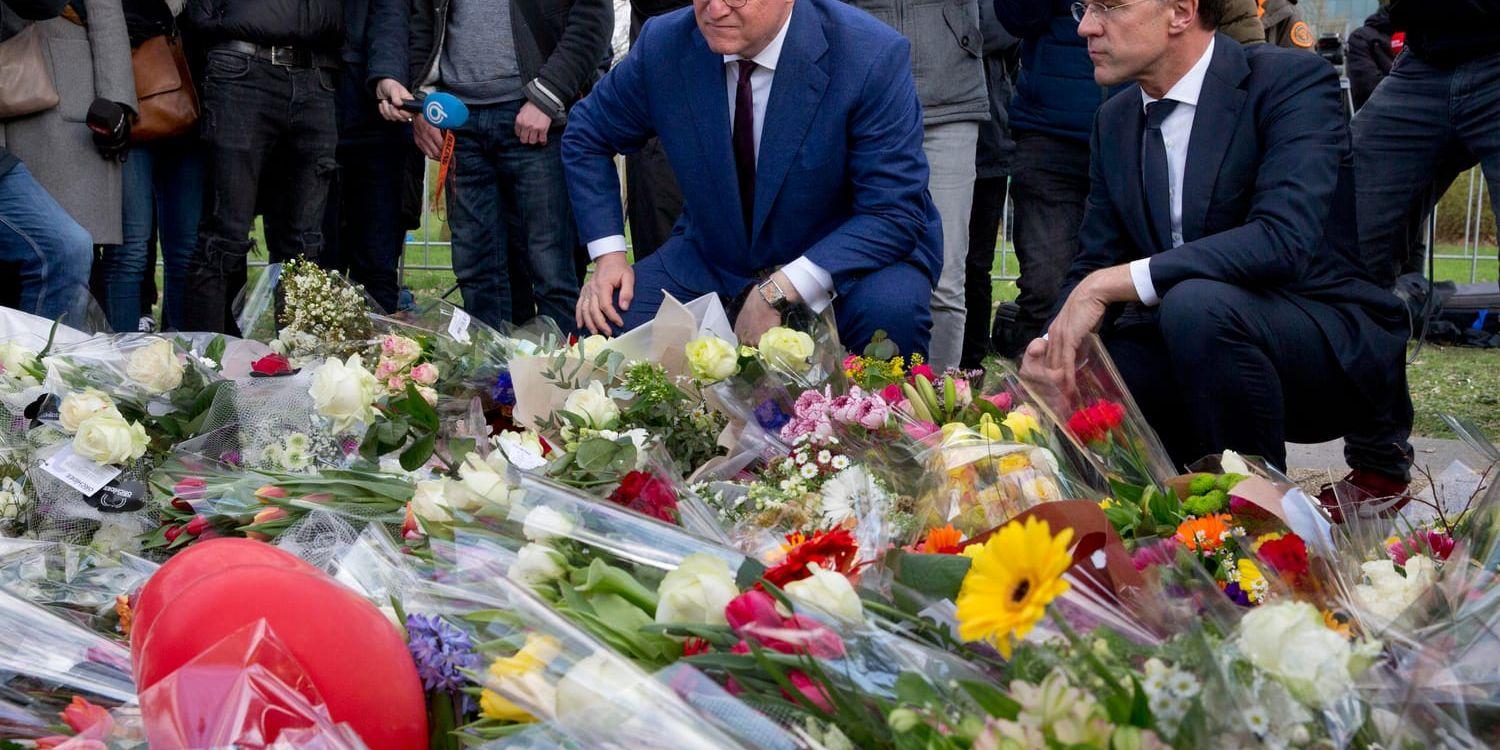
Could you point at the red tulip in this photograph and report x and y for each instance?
(172, 533)
(752, 608)
(197, 526)
(270, 492)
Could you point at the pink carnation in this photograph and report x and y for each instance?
(871, 413)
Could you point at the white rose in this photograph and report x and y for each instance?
(1289, 641)
(155, 366)
(827, 591)
(535, 565)
(428, 502)
(14, 358)
(344, 392)
(78, 407)
(481, 481)
(593, 406)
(590, 347)
(696, 592)
(787, 348)
(602, 693)
(1388, 593)
(108, 439)
(711, 358)
(544, 524)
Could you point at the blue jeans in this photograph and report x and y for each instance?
(1422, 125)
(54, 252)
(504, 195)
(163, 189)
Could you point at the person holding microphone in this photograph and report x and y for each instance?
(504, 176)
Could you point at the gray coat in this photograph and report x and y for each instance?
(946, 46)
(55, 145)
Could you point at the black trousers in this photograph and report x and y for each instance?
(364, 228)
(252, 110)
(1049, 184)
(1221, 367)
(984, 231)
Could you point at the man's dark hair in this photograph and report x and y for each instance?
(1211, 13)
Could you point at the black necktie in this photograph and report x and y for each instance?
(744, 141)
(1155, 179)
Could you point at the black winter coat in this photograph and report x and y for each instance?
(314, 24)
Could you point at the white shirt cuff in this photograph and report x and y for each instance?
(813, 283)
(1140, 273)
(614, 243)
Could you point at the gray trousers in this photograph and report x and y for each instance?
(950, 156)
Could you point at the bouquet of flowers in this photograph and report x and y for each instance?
(305, 311)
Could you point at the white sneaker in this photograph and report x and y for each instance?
(147, 324)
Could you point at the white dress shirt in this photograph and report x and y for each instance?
(812, 282)
(1176, 132)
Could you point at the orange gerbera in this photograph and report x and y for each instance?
(944, 541)
(1204, 534)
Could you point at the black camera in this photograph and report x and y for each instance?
(1331, 48)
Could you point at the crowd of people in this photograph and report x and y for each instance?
(890, 148)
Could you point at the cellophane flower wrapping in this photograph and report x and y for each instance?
(246, 691)
(48, 658)
(81, 584)
(1103, 421)
(625, 579)
(305, 312)
(513, 661)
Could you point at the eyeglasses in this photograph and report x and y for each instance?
(1100, 10)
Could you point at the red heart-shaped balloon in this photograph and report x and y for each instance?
(354, 656)
(195, 562)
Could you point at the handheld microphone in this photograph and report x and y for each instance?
(440, 109)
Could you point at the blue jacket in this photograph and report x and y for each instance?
(1055, 91)
(1268, 203)
(841, 176)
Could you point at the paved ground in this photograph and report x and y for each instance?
(1314, 465)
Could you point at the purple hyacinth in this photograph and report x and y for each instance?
(503, 391)
(441, 652)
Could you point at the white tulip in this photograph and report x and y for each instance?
(536, 565)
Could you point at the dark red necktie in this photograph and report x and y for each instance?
(744, 141)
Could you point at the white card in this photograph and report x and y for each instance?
(458, 327)
(78, 472)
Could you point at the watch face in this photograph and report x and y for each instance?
(772, 293)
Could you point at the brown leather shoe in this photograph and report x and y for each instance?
(1367, 492)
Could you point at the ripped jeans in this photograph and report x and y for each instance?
(259, 120)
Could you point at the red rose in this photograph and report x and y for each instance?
(1287, 556)
(831, 550)
(271, 365)
(648, 494)
(1095, 421)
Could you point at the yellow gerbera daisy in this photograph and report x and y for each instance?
(1013, 579)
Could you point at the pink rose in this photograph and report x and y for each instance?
(396, 384)
(963, 391)
(892, 393)
(425, 373)
(1001, 400)
(386, 369)
(400, 349)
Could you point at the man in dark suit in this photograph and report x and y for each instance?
(1217, 249)
(794, 129)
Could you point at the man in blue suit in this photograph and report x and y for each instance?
(1218, 250)
(794, 129)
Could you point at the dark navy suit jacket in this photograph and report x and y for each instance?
(1267, 202)
(841, 175)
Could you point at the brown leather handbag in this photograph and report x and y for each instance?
(25, 85)
(167, 101)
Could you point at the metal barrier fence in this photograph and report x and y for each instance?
(426, 251)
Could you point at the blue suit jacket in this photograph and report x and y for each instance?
(841, 175)
(1267, 202)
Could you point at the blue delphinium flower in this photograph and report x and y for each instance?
(503, 391)
(770, 416)
(441, 651)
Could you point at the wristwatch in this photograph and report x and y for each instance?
(771, 292)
